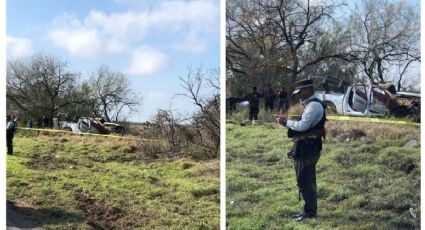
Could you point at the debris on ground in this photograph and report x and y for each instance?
(411, 143)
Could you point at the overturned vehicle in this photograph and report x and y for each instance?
(366, 99)
(92, 125)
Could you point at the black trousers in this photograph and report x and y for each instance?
(306, 178)
(9, 142)
(253, 113)
(268, 103)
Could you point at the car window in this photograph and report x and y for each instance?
(362, 90)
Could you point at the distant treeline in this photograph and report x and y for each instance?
(43, 85)
(282, 41)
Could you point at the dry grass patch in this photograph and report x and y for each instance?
(207, 169)
(376, 130)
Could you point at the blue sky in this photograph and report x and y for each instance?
(152, 42)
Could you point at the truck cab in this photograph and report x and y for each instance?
(356, 98)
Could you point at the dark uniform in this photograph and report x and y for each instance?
(307, 133)
(306, 153)
(282, 100)
(268, 98)
(10, 132)
(231, 104)
(254, 103)
(45, 122)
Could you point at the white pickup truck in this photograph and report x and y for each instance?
(92, 125)
(359, 99)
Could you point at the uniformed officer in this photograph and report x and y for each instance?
(307, 133)
(269, 97)
(282, 101)
(45, 122)
(254, 104)
(10, 132)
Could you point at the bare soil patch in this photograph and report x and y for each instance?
(100, 214)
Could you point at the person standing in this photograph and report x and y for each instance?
(29, 123)
(254, 104)
(307, 134)
(282, 100)
(45, 122)
(268, 94)
(10, 132)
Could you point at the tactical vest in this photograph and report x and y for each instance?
(315, 130)
(309, 143)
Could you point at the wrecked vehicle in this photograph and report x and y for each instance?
(360, 99)
(92, 125)
(233, 103)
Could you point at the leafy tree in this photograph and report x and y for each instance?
(112, 94)
(40, 86)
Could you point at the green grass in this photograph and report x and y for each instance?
(368, 183)
(241, 114)
(87, 182)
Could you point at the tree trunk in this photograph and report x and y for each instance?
(52, 114)
(380, 72)
(105, 111)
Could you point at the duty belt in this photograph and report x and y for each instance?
(295, 139)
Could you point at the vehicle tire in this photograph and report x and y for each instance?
(330, 108)
(399, 112)
(119, 130)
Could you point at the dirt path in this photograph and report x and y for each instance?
(17, 221)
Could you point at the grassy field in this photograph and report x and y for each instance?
(73, 182)
(368, 182)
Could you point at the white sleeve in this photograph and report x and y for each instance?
(312, 114)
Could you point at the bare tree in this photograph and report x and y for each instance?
(385, 33)
(168, 126)
(204, 92)
(400, 78)
(40, 86)
(301, 26)
(112, 94)
(280, 39)
(253, 54)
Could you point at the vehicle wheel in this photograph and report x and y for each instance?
(400, 112)
(330, 108)
(119, 130)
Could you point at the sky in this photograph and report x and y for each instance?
(151, 42)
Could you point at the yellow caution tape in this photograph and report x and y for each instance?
(363, 119)
(90, 134)
(370, 119)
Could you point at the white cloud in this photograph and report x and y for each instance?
(174, 16)
(186, 25)
(79, 42)
(148, 61)
(18, 47)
